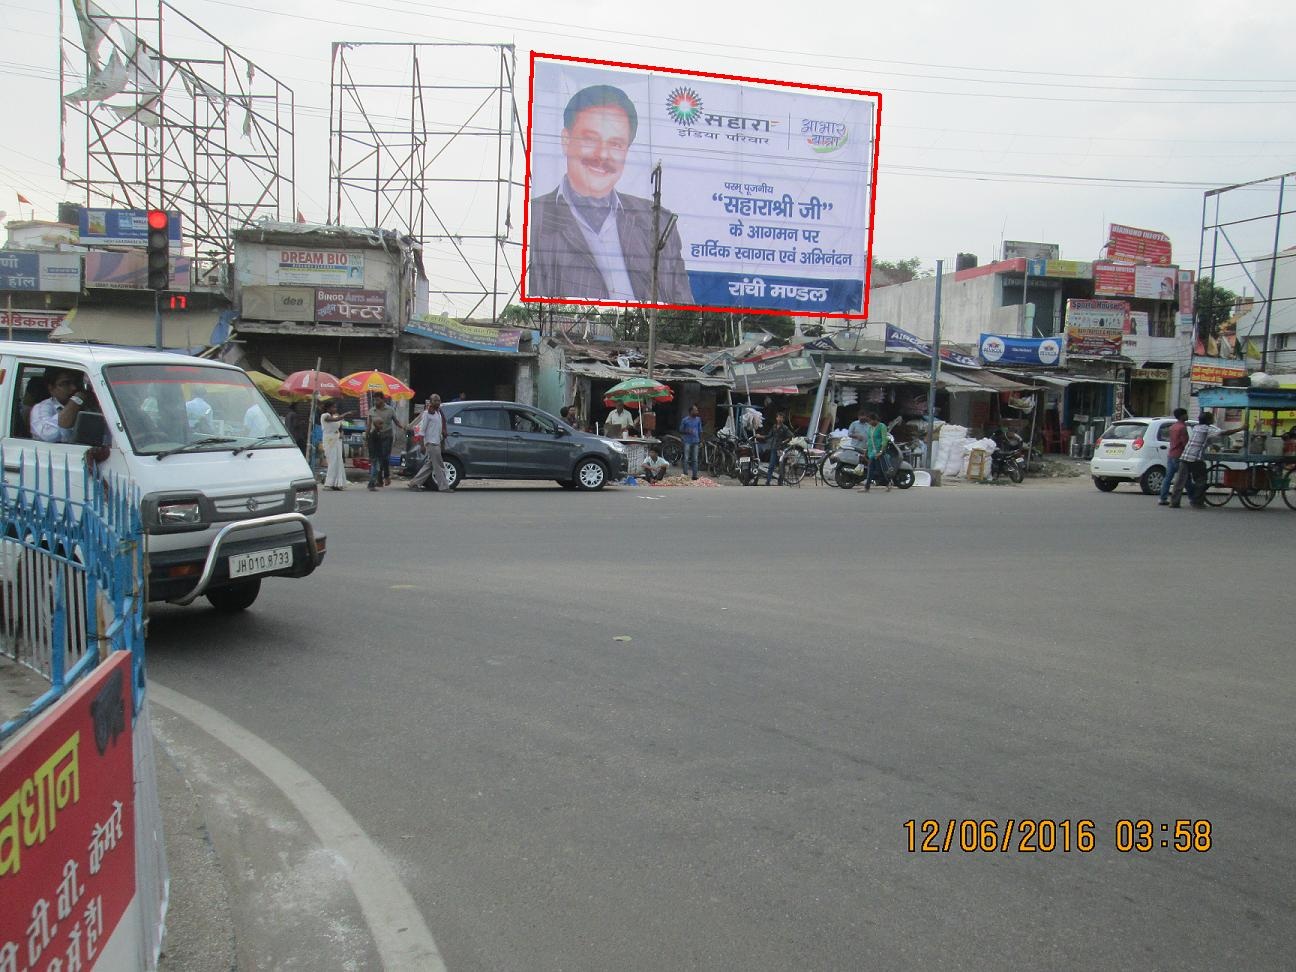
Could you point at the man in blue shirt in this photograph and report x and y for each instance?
(691, 430)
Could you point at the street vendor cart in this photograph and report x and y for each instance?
(1264, 465)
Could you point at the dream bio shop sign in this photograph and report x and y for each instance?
(323, 268)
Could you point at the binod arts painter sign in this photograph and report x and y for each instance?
(766, 190)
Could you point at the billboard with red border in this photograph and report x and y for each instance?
(1137, 245)
(67, 826)
(767, 190)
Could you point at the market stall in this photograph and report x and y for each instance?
(1262, 465)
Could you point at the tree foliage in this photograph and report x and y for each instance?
(1214, 306)
(886, 272)
(516, 315)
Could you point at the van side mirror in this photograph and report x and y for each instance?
(90, 429)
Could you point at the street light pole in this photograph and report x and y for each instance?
(935, 363)
(1021, 331)
(656, 231)
(1273, 273)
(660, 235)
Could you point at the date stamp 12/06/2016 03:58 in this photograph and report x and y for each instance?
(1036, 835)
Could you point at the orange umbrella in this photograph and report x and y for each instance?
(375, 381)
(302, 384)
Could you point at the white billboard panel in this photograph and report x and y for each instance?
(771, 189)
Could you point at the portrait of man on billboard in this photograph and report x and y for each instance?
(589, 241)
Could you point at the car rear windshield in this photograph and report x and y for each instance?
(1125, 430)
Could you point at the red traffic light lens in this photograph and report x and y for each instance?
(158, 219)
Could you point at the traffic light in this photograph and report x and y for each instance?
(159, 249)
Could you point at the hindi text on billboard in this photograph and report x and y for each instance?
(766, 192)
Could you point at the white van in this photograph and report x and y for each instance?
(226, 495)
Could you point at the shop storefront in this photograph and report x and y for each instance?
(1150, 390)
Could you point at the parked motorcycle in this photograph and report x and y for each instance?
(852, 466)
(748, 467)
(1009, 457)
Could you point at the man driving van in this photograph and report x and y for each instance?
(53, 419)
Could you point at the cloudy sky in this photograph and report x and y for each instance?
(1000, 120)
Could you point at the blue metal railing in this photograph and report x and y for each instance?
(72, 579)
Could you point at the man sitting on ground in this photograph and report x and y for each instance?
(654, 467)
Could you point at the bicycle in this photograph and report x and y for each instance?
(800, 459)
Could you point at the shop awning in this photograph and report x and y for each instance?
(995, 382)
(1059, 380)
(604, 372)
(954, 382)
(414, 343)
(878, 376)
(134, 327)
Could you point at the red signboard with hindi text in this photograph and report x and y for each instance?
(67, 826)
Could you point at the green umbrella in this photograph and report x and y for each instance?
(635, 391)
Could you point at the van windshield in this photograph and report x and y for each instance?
(182, 406)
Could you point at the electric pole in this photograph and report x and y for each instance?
(659, 236)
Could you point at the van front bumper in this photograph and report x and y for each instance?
(182, 576)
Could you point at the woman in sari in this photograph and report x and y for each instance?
(331, 420)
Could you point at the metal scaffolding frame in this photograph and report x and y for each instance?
(394, 164)
(191, 126)
(1247, 211)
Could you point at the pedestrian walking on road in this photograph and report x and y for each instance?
(691, 430)
(432, 426)
(1178, 439)
(382, 419)
(1192, 463)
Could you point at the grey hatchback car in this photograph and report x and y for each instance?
(508, 440)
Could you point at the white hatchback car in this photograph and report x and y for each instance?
(1132, 450)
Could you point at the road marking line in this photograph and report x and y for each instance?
(399, 931)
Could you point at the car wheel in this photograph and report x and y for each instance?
(591, 474)
(235, 597)
(566, 483)
(1105, 483)
(1150, 482)
(453, 472)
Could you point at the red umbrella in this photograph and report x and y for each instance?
(375, 381)
(304, 384)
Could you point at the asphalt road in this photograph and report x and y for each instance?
(807, 670)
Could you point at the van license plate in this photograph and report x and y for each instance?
(260, 561)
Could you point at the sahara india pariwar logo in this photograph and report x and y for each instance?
(684, 105)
